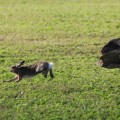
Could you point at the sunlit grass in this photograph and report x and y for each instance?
(70, 34)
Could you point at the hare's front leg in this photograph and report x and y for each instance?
(19, 77)
(15, 78)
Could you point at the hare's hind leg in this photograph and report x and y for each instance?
(51, 74)
(45, 73)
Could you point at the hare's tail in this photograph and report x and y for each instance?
(50, 65)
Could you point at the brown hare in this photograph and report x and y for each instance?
(31, 70)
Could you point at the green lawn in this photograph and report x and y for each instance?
(69, 33)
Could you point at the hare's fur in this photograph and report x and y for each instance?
(31, 70)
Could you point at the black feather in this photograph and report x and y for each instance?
(114, 44)
(111, 59)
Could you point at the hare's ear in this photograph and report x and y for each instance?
(20, 64)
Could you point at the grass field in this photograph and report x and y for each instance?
(69, 33)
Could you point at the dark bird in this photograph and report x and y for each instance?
(111, 54)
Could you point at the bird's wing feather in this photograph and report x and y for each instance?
(111, 59)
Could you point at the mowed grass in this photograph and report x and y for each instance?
(69, 33)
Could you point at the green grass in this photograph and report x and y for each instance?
(69, 33)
